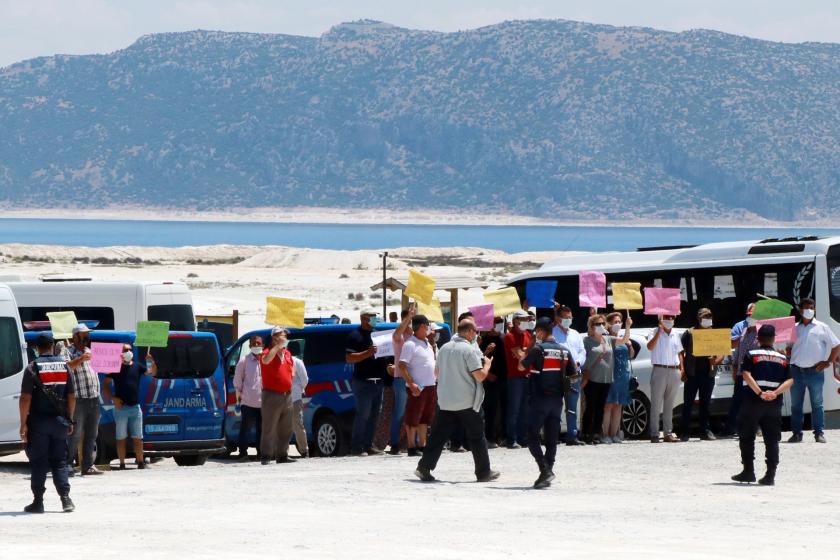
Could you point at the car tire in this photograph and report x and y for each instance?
(190, 460)
(103, 453)
(329, 437)
(635, 417)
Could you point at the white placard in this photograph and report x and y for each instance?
(384, 342)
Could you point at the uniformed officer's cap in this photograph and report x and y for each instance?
(44, 339)
(767, 331)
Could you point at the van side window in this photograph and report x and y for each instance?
(323, 347)
(180, 317)
(11, 361)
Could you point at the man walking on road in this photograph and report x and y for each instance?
(460, 394)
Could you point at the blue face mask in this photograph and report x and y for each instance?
(374, 321)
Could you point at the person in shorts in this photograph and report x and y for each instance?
(417, 367)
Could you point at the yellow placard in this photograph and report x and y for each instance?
(505, 301)
(284, 312)
(432, 311)
(62, 324)
(711, 342)
(627, 295)
(420, 287)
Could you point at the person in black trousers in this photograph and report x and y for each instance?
(495, 394)
(597, 376)
(699, 378)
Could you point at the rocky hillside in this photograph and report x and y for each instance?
(547, 118)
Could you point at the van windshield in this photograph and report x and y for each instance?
(180, 317)
(11, 360)
(833, 267)
(186, 357)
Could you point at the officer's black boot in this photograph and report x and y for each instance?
(545, 478)
(67, 504)
(37, 506)
(746, 475)
(769, 478)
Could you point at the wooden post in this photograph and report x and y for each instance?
(404, 302)
(453, 309)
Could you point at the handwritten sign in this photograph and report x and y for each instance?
(483, 315)
(627, 295)
(505, 301)
(284, 312)
(384, 342)
(154, 334)
(540, 293)
(420, 287)
(662, 301)
(432, 311)
(106, 357)
(770, 309)
(785, 328)
(711, 342)
(592, 289)
(62, 324)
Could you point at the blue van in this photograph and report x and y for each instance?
(183, 407)
(329, 405)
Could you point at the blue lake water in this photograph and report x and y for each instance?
(102, 233)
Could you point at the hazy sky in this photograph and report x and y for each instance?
(30, 28)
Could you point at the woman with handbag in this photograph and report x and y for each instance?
(597, 376)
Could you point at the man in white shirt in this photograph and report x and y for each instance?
(666, 357)
(564, 334)
(300, 379)
(417, 367)
(815, 349)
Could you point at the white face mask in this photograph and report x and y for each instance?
(565, 323)
(808, 314)
(499, 328)
(615, 327)
(751, 322)
(600, 329)
(706, 323)
(527, 325)
(128, 355)
(256, 350)
(668, 324)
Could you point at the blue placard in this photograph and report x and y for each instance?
(540, 293)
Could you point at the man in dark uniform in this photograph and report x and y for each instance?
(766, 376)
(47, 402)
(549, 363)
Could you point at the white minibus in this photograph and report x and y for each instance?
(12, 364)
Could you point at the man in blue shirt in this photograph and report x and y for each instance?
(564, 334)
(766, 376)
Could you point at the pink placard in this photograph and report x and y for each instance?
(592, 291)
(785, 328)
(483, 315)
(662, 301)
(106, 357)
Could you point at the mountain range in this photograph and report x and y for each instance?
(554, 119)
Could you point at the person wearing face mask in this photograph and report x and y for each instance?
(699, 378)
(517, 342)
(619, 394)
(369, 375)
(417, 367)
(666, 356)
(815, 349)
(597, 376)
(128, 416)
(459, 404)
(564, 334)
(247, 380)
(86, 416)
(277, 369)
(495, 386)
(741, 326)
(747, 341)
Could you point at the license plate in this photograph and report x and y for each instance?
(161, 428)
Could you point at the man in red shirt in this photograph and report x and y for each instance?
(517, 342)
(277, 367)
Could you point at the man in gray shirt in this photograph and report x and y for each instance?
(460, 394)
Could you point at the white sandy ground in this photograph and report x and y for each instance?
(634, 500)
(325, 279)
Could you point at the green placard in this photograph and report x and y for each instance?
(771, 309)
(154, 334)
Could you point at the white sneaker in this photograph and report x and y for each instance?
(606, 439)
(617, 439)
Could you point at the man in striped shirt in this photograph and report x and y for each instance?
(86, 418)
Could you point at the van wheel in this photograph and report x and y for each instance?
(635, 417)
(329, 439)
(102, 453)
(190, 460)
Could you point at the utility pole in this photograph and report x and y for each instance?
(384, 256)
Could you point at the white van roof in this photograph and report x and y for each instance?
(710, 254)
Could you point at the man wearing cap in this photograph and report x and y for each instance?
(369, 375)
(517, 342)
(766, 376)
(550, 364)
(277, 370)
(86, 416)
(699, 378)
(666, 356)
(815, 349)
(417, 367)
